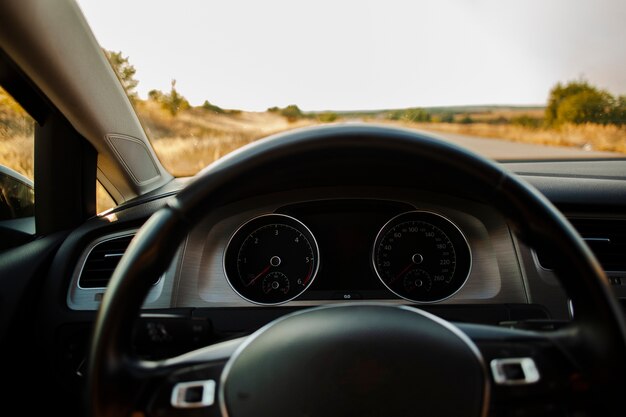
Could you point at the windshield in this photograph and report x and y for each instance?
(511, 80)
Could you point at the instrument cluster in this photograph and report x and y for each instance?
(349, 248)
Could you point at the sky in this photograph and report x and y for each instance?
(361, 54)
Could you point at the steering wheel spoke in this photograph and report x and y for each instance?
(184, 385)
(534, 373)
(186, 391)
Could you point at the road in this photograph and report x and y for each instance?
(502, 149)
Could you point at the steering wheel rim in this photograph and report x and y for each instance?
(597, 337)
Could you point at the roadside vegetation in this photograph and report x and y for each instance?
(16, 136)
(187, 138)
(577, 114)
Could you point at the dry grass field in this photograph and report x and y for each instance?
(586, 136)
(192, 139)
(16, 152)
(16, 136)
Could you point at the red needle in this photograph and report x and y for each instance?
(404, 271)
(308, 276)
(263, 272)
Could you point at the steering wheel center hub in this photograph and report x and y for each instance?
(365, 360)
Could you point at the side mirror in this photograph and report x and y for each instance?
(17, 195)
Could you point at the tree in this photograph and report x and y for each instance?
(125, 72)
(618, 116)
(590, 106)
(175, 101)
(291, 112)
(172, 101)
(579, 102)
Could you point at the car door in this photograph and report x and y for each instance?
(63, 167)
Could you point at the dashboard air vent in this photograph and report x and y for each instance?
(605, 237)
(101, 262)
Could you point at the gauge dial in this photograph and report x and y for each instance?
(277, 282)
(421, 256)
(271, 259)
(417, 281)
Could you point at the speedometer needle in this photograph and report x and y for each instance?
(263, 272)
(404, 271)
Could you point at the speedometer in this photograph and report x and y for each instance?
(422, 256)
(271, 259)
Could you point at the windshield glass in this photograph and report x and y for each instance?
(511, 80)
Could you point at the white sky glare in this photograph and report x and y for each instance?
(359, 54)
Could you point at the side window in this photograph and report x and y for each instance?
(104, 201)
(17, 130)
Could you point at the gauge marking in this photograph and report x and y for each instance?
(421, 256)
(271, 259)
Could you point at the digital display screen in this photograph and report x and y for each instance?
(345, 231)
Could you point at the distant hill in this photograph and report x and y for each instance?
(438, 110)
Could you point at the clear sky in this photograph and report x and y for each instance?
(360, 54)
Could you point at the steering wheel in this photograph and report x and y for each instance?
(364, 359)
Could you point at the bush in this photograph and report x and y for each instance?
(447, 118)
(466, 120)
(579, 102)
(585, 107)
(212, 107)
(415, 114)
(292, 113)
(172, 102)
(155, 95)
(527, 121)
(327, 117)
(501, 120)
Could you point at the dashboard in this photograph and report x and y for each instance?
(347, 233)
(337, 245)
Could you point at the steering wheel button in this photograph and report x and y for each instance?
(514, 371)
(193, 394)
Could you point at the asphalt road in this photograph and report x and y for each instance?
(502, 149)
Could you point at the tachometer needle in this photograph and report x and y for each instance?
(263, 272)
(308, 275)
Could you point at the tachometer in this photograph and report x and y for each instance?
(421, 256)
(271, 259)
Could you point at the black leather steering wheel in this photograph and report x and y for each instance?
(364, 359)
